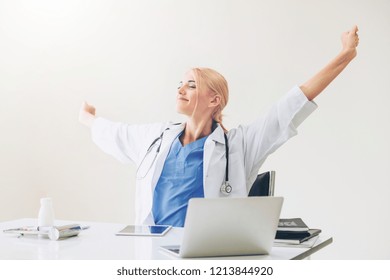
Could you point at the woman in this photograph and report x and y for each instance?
(176, 162)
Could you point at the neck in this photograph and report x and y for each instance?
(196, 129)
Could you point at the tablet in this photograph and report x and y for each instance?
(156, 230)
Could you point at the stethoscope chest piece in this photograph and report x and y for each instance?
(226, 188)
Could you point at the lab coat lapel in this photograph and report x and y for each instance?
(209, 149)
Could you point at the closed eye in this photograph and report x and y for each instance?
(191, 84)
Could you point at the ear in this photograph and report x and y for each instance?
(215, 101)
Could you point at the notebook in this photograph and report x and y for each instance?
(228, 227)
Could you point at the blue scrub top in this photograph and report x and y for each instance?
(180, 180)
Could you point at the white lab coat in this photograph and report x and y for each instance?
(249, 146)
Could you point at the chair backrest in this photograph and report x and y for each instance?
(264, 184)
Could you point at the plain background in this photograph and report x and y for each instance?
(127, 57)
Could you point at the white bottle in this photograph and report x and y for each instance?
(46, 213)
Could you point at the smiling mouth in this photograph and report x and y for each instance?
(183, 99)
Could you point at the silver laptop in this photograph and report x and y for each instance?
(229, 227)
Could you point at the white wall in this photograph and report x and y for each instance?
(126, 58)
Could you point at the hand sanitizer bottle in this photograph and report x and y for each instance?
(46, 214)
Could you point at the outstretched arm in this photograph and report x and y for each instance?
(322, 79)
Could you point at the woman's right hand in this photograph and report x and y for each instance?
(87, 114)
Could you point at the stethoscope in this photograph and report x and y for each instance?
(225, 189)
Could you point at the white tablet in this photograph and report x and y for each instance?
(156, 230)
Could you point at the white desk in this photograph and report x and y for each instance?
(100, 242)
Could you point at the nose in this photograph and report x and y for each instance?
(180, 89)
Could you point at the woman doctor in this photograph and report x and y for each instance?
(176, 162)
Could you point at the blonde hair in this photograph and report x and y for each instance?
(210, 79)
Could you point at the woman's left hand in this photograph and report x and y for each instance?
(350, 40)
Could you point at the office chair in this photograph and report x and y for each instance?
(263, 185)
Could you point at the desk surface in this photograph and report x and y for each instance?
(100, 242)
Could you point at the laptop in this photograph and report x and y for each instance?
(217, 227)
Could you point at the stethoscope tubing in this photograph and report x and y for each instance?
(226, 188)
